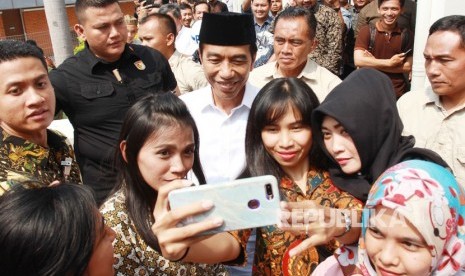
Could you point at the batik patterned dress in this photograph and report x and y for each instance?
(134, 257)
(273, 245)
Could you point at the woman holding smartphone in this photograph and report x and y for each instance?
(158, 146)
(279, 142)
(359, 129)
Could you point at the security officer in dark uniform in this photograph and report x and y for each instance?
(96, 87)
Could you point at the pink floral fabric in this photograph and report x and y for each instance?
(428, 196)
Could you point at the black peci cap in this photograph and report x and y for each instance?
(227, 29)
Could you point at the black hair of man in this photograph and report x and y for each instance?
(165, 21)
(451, 23)
(184, 6)
(201, 2)
(296, 12)
(269, 2)
(48, 231)
(401, 2)
(14, 49)
(33, 42)
(82, 5)
(170, 8)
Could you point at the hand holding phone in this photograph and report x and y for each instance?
(174, 241)
(242, 204)
(407, 52)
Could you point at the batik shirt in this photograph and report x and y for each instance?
(264, 42)
(328, 52)
(134, 257)
(273, 245)
(26, 163)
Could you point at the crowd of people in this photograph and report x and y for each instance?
(314, 93)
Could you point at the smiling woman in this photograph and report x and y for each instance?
(279, 142)
(424, 205)
(360, 130)
(28, 151)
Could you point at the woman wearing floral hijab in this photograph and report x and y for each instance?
(426, 207)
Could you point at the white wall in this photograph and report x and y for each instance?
(428, 11)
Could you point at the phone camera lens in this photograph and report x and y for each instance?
(253, 204)
(269, 192)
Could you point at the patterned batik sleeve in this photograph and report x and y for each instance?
(242, 237)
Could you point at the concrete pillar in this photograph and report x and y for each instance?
(57, 21)
(421, 34)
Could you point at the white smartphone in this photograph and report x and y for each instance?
(242, 204)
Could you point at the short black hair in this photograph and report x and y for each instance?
(82, 5)
(451, 23)
(167, 22)
(269, 2)
(296, 12)
(184, 6)
(13, 49)
(401, 2)
(47, 231)
(173, 8)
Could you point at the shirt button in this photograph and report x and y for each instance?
(98, 92)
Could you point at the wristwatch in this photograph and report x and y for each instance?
(348, 222)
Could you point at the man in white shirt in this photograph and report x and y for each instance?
(227, 51)
(436, 116)
(183, 43)
(294, 40)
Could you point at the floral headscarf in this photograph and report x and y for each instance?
(428, 196)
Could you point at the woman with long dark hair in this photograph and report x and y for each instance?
(279, 143)
(159, 145)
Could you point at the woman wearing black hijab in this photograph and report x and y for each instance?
(363, 110)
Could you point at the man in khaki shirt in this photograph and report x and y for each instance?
(294, 40)
(436, 116)
(158, 31)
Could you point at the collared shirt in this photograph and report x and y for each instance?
(386, 44)
(273, 244)
(328, 52)
(134, 256)
(222, 136)
(95, 95)
(222, 143)
(321, 80)
(264, 42)
(189, 74)
(25, 163)
(435, 128)
(184, 43)
(369, 15)
(264, 27)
